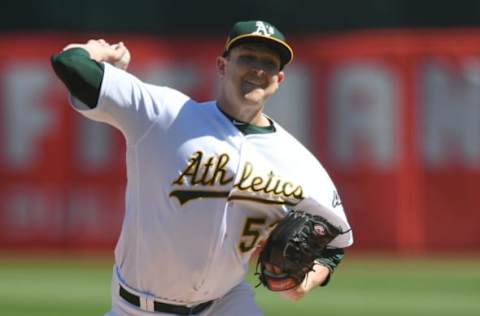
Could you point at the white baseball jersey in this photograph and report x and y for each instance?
(201, 194)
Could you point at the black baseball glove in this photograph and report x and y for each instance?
(290, 250)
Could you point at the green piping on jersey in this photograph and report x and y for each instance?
(247, 128)
(330, 258)
(82, 75)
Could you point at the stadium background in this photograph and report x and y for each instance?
(385, 93)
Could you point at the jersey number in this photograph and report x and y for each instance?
(251, 233)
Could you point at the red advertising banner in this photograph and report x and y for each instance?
(393, 115)
(400, 111)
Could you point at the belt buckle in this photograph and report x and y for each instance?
(150, 303)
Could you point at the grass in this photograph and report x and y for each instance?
(373, 286)
(54, 286)
(391, 287)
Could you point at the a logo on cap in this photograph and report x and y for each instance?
(264, 29)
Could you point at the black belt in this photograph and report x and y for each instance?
(165, 308)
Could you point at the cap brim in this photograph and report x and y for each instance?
(284, 50)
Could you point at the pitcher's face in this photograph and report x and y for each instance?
(250, 74)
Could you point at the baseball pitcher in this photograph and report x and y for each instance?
(208, 182)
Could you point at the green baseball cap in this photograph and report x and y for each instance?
(259, 31)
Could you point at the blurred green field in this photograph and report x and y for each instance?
(80, 285)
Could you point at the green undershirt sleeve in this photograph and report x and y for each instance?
(81, 75)
(331, 259)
